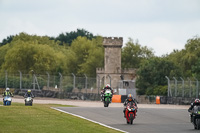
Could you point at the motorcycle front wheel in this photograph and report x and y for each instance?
(131, 118)
(198, 124)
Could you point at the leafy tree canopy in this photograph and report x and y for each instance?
(133, 54)
(89, 55)
(26, 53)
(152, 73)
(68, 37)
(187, 58)
(7, 40)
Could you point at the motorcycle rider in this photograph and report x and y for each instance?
(7, 93)
(103, 91)
(196, 102)
(130, 100)
(28, 94)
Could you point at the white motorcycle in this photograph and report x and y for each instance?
(28, 101)
(7, 100)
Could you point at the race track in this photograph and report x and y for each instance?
(149, 120)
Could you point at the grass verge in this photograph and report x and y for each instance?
(18, 118)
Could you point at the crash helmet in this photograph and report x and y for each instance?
(29, 91)
(197, 101)
(7, 89)
(107, 86)
(130, 97)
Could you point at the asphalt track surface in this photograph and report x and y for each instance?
(149, 120)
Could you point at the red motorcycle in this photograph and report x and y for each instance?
(130, 113)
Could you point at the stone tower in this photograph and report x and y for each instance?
(112, 57)
(112, 72)
(112, 60)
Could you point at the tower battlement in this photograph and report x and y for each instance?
(112, 42)
(100, 70)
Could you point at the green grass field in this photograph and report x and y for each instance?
(40, 118)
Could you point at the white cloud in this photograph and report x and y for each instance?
(15, 26)
(164, 46)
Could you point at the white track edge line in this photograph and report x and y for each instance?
(90, 120)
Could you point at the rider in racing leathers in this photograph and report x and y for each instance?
(28, 94)
(129, 99)
(103, 91)
(7, 93)
(196, 102)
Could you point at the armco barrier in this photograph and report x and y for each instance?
(119, 98)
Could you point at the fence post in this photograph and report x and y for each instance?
(74, 81)
(190, 86)
(33, 74)
(175, 86)
(197, 87)
(48, 78)
(60, 81)
(60, 86)
(183, 84)
(85, 83)
(168, 90)
(20, 82)
(98, 81)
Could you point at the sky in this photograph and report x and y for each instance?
(163, 25)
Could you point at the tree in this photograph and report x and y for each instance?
(36, 53)
(86, 55)
(3, 51)
(152, 74)
(187, 58)
(7, 40)
(95, 58)
(133, 54)
(196, 69)
(67, 38)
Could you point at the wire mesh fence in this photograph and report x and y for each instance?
(49, 82)
(183, 88)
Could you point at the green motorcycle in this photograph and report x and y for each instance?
(107, 98)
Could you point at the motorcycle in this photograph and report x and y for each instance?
(130, 113)
(7, 100)
(28, 101)
(107, 98)
(195, 117)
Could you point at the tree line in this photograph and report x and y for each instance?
(81, 55)
(80, 52)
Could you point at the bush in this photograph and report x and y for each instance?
(157, 90)
(160, 90)
(68, 88)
